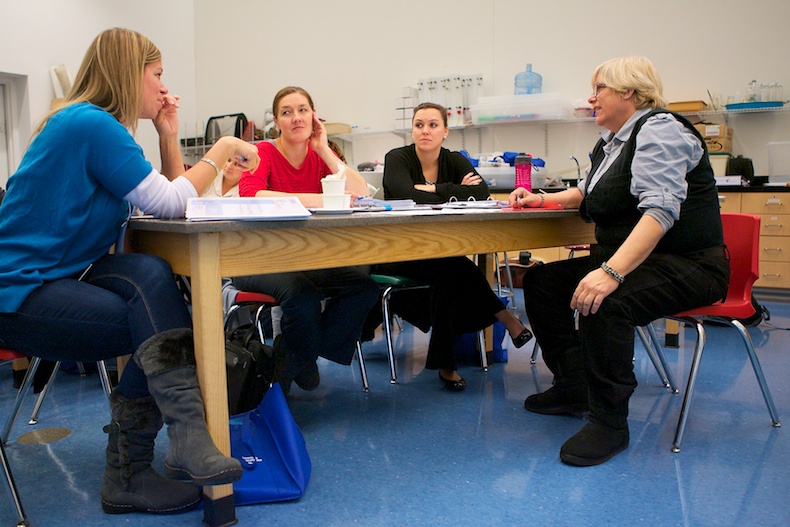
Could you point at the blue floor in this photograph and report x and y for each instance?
(415, 454)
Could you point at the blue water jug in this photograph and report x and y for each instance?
(528, 82)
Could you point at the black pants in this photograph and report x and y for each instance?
(460, 300)
(600, 353)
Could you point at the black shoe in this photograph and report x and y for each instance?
(19, 376)
(308, 379)
(453, 386)
(558, 401)
(522, 338)
(594, 444)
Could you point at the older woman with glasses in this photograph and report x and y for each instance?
(651, 193)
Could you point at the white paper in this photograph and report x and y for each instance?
(252, 209)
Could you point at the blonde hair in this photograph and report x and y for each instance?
(632, 73)
(111, 76)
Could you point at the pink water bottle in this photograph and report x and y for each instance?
(523, 164)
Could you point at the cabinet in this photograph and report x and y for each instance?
(774, 211)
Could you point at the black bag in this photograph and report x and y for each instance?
(250, 367)
(741, 166)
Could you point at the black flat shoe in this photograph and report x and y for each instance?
(453, 386)
(523, 337)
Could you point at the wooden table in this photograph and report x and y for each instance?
(207, 251)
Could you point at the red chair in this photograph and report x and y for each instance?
(260, 302)
(741, 235)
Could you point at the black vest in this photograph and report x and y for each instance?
(614, 210)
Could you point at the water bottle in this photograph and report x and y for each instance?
(528, 82)
(523, 164)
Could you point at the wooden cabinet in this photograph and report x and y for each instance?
(730, 201)
(774, 211)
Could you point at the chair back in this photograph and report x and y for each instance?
(742, 237)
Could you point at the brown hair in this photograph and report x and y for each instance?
(434, 106)
(288, 90)
(111, 76)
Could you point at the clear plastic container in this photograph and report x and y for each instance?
(523, 164)
(528, 82)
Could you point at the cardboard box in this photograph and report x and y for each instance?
(718, 163)
(718, 137)
(687, 106)
(337, 128)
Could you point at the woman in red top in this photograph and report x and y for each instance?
(295, 162)
(323, 310)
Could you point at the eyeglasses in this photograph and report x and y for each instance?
(597, 88)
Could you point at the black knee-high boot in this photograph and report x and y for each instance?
(168, 361)
(130, 483)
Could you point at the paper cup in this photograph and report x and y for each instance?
(337, 201)
(333, 187)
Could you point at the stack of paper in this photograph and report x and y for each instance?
(252, 209)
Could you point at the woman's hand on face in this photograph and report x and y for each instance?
(592, 290)
(166, 120)
(319, 139)
(471, 179)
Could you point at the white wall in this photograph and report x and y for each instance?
(353, 56)
(38, 34)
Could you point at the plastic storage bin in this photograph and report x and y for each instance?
(515, 108)
(779, 159)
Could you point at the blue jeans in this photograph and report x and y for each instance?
(124, 300)
(311, 329)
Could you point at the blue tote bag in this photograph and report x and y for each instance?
(272, 452)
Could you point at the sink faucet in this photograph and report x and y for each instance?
(578, 170)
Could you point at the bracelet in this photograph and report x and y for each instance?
(542, 202)
(611, 272)
(210, 162)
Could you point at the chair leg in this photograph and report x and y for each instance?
(42, 395)
(690, 385)
(659, 349)
(9, 478)
(509, 279)
(535, 351)
(104, 376)
(481, 344)
(385, 313)
(20, 396)
(652, 353)
(363, 370)
(758, 371)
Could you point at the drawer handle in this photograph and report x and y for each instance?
(774, 201)
(777, 225)
(772, 249)
(772, 274)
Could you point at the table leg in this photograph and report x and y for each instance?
(219, 506)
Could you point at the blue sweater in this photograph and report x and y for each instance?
(64, 205)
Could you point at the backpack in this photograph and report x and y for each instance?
(250, 367)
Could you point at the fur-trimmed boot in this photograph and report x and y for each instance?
(168, 360)
(130, 483)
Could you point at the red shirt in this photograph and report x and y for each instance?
(276, 173)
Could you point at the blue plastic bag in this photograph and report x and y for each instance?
(466, 351)
(272, 451)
